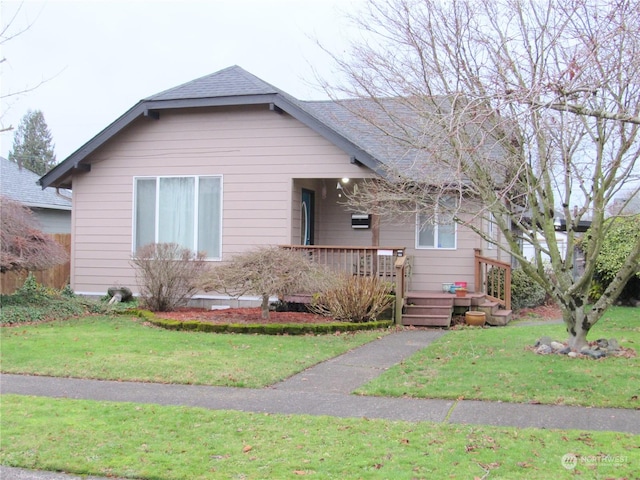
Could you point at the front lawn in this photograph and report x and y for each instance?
(123, 348)
(493, 364)
(165, 443)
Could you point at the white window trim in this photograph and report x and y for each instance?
(492, 231)
(435, 235)
(197, 206)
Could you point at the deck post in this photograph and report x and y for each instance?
(478, 283)
(400, 264)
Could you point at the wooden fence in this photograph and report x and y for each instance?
(56, 277)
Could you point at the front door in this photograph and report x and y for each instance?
(306, 217)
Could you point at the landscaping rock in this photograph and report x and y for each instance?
(613, 345)
(595, 353)
(599, 349)
(544, 341)
(544, 349)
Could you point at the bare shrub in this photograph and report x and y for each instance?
(167, 275)
(23, 245)
(265, 271)
(354, 298)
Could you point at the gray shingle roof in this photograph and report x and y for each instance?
(230, 82)
(232, 86)
(339, 122)
(21, 185)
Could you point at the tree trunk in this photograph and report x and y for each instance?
(265, 307)
(577, 327)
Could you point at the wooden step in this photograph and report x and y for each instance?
(428, 309)
(477, 299)
(429, 299)
(489, 307)
(427, 320)
(462, 301)
(499, 318)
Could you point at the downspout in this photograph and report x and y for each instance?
(61, 195)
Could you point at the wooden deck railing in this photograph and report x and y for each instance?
(493, 278)
(388, 263)
(403, 273)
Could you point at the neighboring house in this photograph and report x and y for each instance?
(51, 208)
(227, 162)
(561, 240)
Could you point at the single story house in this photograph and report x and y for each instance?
(228, 162)
(51, 208)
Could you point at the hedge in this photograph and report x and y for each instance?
(260, 328)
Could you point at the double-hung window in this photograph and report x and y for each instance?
(186, 210)
(437, 230)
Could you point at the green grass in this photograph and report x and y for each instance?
(155, 442)
(493, 364)
(122, 348)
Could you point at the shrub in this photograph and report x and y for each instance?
(525, 293)
(269, 328)
(616, 248)
(167, 274)
(23, 246)
(265, 271)
(282, 306)
(34, 302)
(354, 298)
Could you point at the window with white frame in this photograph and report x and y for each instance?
(438, 230)
(186, 210)
(492, 232)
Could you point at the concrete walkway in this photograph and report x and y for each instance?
(325, 390)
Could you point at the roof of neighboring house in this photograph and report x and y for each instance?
(21, 184)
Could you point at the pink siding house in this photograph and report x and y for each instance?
(227, 162)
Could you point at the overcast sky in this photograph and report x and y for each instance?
(96, 59)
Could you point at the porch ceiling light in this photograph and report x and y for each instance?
(345, 180)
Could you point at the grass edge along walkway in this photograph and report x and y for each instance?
(162, 442)
(123, 348)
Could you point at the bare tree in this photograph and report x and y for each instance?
(264, 271)
(23, 246)
(527, 111)
(167, 274)
(10, 29)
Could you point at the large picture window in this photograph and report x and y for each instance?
(182, 210)
(439, 231)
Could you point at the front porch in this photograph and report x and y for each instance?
(420, 308)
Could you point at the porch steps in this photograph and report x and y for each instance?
(496, 316)
(428, 309)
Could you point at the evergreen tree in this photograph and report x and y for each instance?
(32, 145)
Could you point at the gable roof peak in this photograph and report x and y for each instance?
(228, 82)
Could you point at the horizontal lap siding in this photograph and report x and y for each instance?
(258, 153)
(336, 223)
(432, 267)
